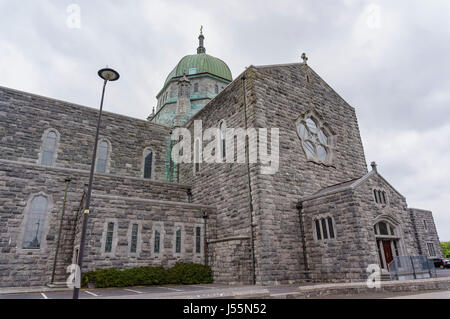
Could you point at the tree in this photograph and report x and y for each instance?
(446, 248)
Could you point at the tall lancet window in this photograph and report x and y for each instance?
(148, 163)
(102, 156)
(223, 145)
(35, 223)
(49, 148)
(197, 156)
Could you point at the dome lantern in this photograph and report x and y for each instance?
(201, 38)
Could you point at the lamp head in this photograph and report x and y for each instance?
(108, 74)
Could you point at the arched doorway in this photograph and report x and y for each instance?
(388, 243)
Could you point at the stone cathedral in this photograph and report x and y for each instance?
(324, 216)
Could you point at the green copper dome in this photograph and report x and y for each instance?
(201, 63)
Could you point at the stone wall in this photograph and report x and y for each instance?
(226, 187)
(281, 96)
(395, 212)
(150, 215)
(25, 117)
(122, 194)
(231, 253)
(114, 197)
(276, 97)
(346, 257)
(355, 213)
(426, 232)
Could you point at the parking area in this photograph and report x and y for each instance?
(186, 291)
(159, 291)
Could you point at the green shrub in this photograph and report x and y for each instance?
(181, 273)
(189, 274)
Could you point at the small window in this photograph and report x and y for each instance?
(109, 237)
(102, 158)
(157, 244)
(383, 228)
(324, 229)
(49, 149)
(198, 236)
(216, 89)
(148, 162)
(425, 225)
(318, 232)
(134, 238)
(223, 139)
(178, 241)
(392, 230)
(380, 196)
(431, 251)
(35, 223)
(195, 87)
(330, 227)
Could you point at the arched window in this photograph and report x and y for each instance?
(134, 238)
(49, 148)
(380, 197)
(384, 229)
(315, 139)
(102, 157)
(198, 236)
(148, 163)
(197, 156)
(318, 231)
(178, 242)
(35, 223)
(223, 144)
(157, 244)
(330, 227)
(216, 89)
(109, 237)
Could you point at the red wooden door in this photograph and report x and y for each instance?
(387, 251)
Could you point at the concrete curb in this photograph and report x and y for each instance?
(361, 287)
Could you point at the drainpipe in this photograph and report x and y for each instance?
(250, 198)
(67, 181)
(302, 229)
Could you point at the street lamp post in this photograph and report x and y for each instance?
(107, 75)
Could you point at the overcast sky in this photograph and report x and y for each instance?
(388, 59)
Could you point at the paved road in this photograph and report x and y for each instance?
(443, 272)
(117, 292)
(431, 295)
(203, 291)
